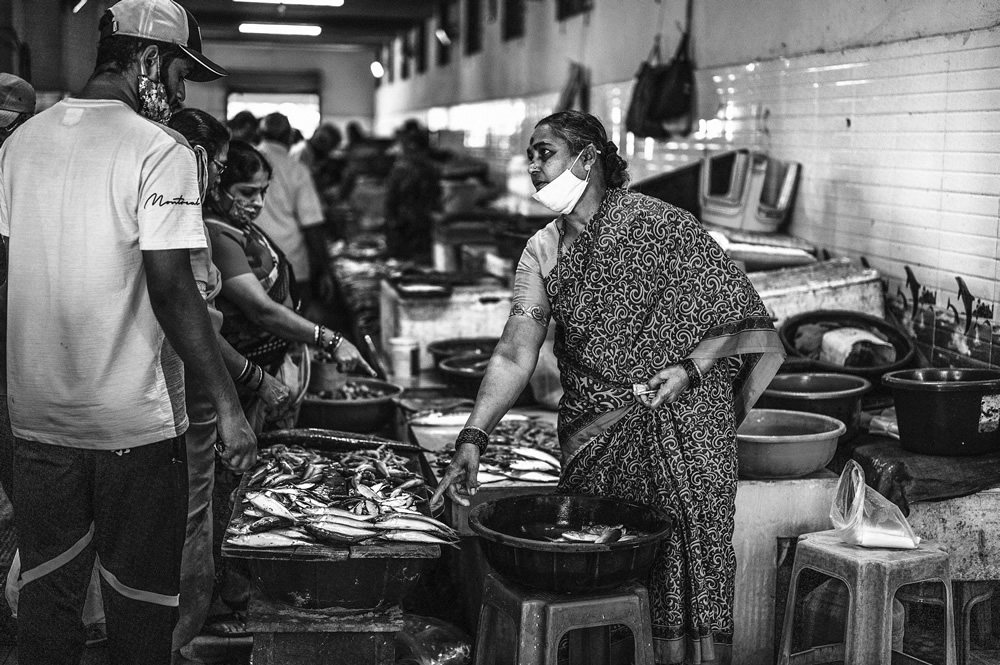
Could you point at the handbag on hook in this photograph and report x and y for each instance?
(663, 93)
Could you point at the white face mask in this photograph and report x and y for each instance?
(562, 194)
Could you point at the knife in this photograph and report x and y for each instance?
(376, 359)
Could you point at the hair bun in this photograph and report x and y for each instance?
(610, 147)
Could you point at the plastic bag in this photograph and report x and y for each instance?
(864, 517)
(428, 641)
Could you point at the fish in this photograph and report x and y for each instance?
(339, 535)
(393, 522)
(267, 539)
(530, 465)
(272, 507)
(339, 520)
(533, 476)
(539, 455)
(420, 537)
(485, 477)
(337, 512)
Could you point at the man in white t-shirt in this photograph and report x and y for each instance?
(101, 207)
(293, 215)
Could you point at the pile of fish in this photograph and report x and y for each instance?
(504, 462)
(301, 497)
(600, 534)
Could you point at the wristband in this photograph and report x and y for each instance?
(474, 435)
(247, 376)
(260, 380)
(693, 372)
(334, 341)
(244, 372)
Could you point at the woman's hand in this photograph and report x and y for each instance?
(349, 359)
(669, 384)
(275, 395)
(460, 475)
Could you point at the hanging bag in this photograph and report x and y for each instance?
(663, 93)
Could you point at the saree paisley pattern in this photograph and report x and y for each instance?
(642, 288)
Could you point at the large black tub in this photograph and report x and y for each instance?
(947, 411)
(567, 567)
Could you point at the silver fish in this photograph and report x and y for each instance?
(272, 507)
(267, 539)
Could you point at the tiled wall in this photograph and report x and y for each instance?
(900, 153)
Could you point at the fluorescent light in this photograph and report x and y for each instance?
(443, 36)
(79, 6)
(280, 29)
(378, 71)
(313, 3)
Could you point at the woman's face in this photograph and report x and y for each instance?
(249, 194)
(217, 165)
(549, 156)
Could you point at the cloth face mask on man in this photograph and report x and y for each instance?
(153, 98)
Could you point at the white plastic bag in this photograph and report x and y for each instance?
(864, 517)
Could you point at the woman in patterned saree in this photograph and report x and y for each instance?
(643, 300)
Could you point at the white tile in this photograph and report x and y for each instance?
(969, 203)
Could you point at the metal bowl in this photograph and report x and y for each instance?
(465, 372)
(951, 412)
(458, 346)
(352, 415)
(835, 395)
(773, 443)
(567, 567)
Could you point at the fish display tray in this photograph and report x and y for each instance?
(332, 441)
(329, 578)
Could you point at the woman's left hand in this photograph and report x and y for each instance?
(349, 359)
(669, 384)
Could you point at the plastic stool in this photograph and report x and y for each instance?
(542, 618)
(872, 576)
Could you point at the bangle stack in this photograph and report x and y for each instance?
(474, 435)
(693, 372)
(319, 332)
(252, 375)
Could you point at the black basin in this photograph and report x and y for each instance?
(951, 412)
(567, 567)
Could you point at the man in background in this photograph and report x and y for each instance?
(17, 104)
(293, 216)
(102, 208)
(315, 151)
(243, 127)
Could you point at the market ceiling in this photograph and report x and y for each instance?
(354, 22)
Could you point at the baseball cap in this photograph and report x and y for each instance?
(163, 21)
(16, 97)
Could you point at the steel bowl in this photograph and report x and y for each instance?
(352, 415)
(458, 346)
(465, 372)
(567, 567)
(953, 412)
(835, 395)
(775, 444)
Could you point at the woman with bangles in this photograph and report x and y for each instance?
(260, 321)
(663, 345)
